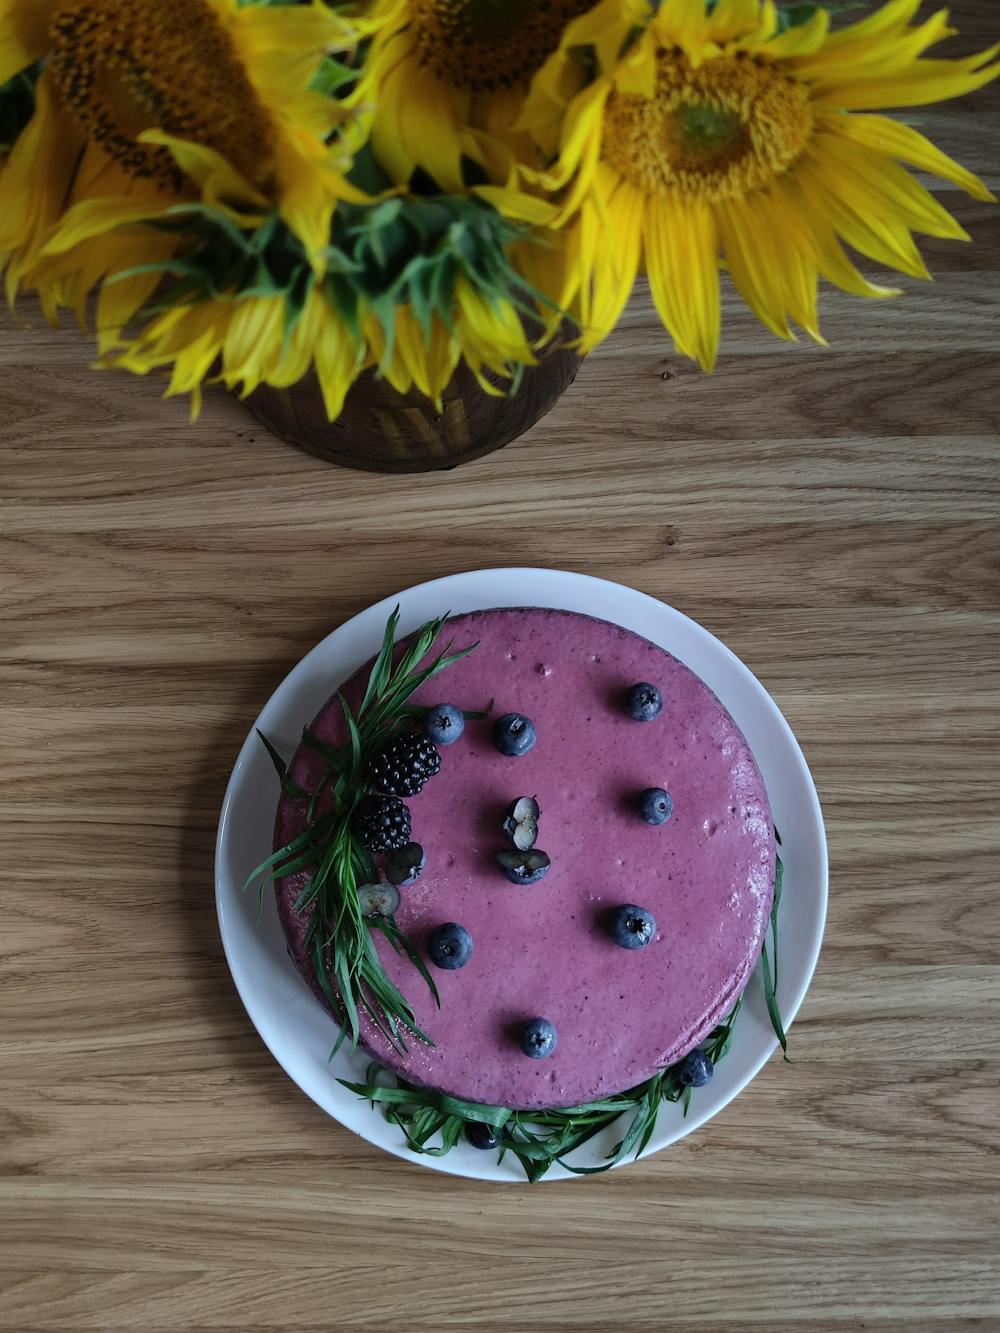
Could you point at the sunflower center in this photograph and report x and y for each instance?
(484, 45)
(716, 132)
(125, 66)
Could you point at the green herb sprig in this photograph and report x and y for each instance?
(539, 1139)
(339, 940)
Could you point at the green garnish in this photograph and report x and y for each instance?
(339, 937)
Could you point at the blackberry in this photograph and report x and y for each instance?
(403, 766)
(382, 823)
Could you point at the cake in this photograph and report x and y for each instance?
(704, 873)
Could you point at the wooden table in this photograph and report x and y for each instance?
(831, 514)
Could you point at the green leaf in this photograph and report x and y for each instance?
(495, 1116)
(287, 785)
(346, 986)
(240, 240)
(401, 942)
(378, 677)
(266, 867)
(771, 980)
(355, 736)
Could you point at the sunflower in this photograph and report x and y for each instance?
(711, 134)
(144, 105)
(451, 76)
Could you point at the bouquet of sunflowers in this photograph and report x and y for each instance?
(253, 190)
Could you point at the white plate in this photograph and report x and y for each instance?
(300, 1033)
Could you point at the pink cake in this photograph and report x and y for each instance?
(706, 875)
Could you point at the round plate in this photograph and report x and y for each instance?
(300, 1033)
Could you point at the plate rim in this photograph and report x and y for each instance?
(521, 578)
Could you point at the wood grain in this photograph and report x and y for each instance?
(833, 514)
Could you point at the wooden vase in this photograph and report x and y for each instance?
(381, 430)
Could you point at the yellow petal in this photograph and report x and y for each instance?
(929, 81)
(387, 142)
(802, 40)
(254, 325)
(336, 366)
(311, 27)
(858, 216)
(891, 188)
(119, 300)
(24, 34)
(546, 268)
(442, 357)
(732, 18)
(755, 263)
(193, 363)
(807, 226)
(607, 27)
(518, 205)
(582, 124)
(585, 165)
(686, 23)
(894, 52)
(296, 355)
(907, 145)
(682, 259)
(96, 217)
(218, 181)
(33, 185)
(306, 202)
(432, 118)
(617, 259)
(412, 350)
(635, 75)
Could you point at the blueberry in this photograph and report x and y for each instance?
(514, 734)
(632, 927)
(520, 825)
(406, 866)
(524, 808)
(655, 805)
(523, 834)
(443, 724)
(643, 702)
(524, 867)
(378, 899)
(480, 1135)
(449, 946)
(695, 1070)
(538, 1038)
